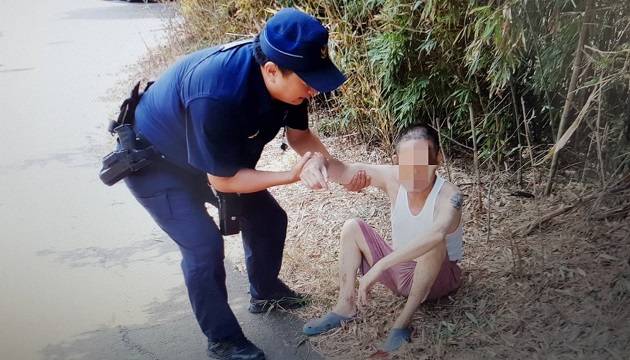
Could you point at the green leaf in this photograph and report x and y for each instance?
(592, 81)
(471, 317)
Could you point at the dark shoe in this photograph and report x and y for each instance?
(239, 348)
(285, 300)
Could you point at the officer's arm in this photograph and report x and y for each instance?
(315, 174)
(215, 146)
(304, 140)
(250, 180)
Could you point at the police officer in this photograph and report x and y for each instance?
(209, 115)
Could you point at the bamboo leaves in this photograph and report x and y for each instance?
(427, 60)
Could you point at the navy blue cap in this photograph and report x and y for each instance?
(298, 42)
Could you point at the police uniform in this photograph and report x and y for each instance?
(211, 113)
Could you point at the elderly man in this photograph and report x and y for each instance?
(426, 232)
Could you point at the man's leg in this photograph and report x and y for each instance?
(428, 267)
(355, 253)
(354, 249)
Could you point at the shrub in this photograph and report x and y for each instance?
(441, 62)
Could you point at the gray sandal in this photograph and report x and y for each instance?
(396, 339)
(325, 323)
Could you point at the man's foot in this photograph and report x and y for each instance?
(396, 339)
(326, 323)
(238, 348)
(286, 300)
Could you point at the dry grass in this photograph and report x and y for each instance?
(562, 292)
(559, 293)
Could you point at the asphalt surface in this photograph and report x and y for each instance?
(85, 273)
(172, 333)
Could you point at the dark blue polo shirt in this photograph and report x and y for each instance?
(211, 111)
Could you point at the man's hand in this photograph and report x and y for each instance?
(359, 181)
(314, 174)
(366, 282)
(298, 168)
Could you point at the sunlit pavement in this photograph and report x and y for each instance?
(85, 273)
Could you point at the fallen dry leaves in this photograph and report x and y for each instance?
(561, 292)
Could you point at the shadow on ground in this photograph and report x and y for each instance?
(172, 332)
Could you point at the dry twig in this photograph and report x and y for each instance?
(529, 227)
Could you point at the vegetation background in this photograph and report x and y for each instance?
(532, 102)
(505, 80)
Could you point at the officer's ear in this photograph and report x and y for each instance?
(271, 71)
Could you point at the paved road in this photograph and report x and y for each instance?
(85, 273)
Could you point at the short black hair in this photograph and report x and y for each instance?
(420, 132)
(262, 59)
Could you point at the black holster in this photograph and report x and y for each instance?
(229, 206)
(127, 159)
(119, 164)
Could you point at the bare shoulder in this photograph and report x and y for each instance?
(448, 209)
(451, 196)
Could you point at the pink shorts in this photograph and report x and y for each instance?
(398, 278)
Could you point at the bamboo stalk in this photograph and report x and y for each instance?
(586, 163)
(570, 95)
(536, 47)
(438, 126)
(618, 211)
(519, 175)
(597, 138)
(475, 154)
(489, 210)
(534, 177)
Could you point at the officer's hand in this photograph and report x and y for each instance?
(296, 169)
(315, 174)
(359, 181)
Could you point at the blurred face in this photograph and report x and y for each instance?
(286, 88)
(417, 163)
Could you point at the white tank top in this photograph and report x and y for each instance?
(406, 226)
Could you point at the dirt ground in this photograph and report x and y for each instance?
(560, 292)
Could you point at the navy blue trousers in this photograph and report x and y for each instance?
(176, 199)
